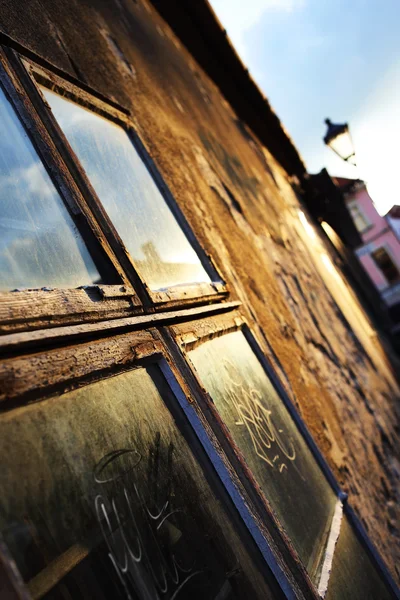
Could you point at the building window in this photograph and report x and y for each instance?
(382, 260)
(359, 219)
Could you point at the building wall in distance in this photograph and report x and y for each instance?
(381, 233)
(245, 213)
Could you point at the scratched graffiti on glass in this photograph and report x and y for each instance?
(269, 441)
(267, 437)
(143, 529)
(103, 497)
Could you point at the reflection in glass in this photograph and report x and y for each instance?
(270, 442)
(39, 242)
(158, 246)
(102, 498)
(353, 576)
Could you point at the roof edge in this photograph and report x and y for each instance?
(200, 31)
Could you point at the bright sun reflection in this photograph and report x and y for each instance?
(310, 231)
(328, 263)
(338, 287)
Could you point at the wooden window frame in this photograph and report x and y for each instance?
(32, 75)
(190, 334)
(102, 358)
(29, 309)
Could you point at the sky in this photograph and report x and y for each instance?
(328, 58)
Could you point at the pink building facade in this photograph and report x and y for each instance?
(379, 253)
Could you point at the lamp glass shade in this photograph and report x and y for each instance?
(338, 138)
(342, 144)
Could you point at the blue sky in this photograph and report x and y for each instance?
(328, 58)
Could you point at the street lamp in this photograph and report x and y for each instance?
(338, 138)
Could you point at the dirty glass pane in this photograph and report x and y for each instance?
(103, 498)
(353, 576)
(39, 242)
(270, 442)
(152, 236)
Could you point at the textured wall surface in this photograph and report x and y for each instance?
(241, 206)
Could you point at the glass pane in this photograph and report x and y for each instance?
(39, 242)
(353, 575)
(152, 236)
(270, 442)
(102, 498)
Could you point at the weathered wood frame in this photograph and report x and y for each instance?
(34, 377)
(188, 335)
(32, 76)
(34, 308)
(17, 343)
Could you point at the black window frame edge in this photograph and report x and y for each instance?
(10, 579)
(32, 74)
(30, 308)
(141, 348)
(239, 323)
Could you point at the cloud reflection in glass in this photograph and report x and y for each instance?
(39, 242)
(135, 205)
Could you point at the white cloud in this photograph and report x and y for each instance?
(238, 18)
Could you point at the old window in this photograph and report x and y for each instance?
(384, 262)
(125, 191)
(70, 263)
(120, 478)
(359, 219)
(106, 492)
(39, 242)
